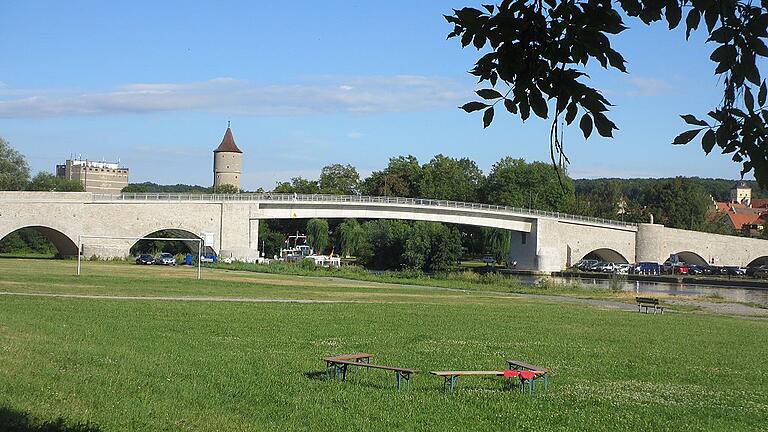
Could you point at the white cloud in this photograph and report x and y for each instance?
(642, 86)
(354, 135)
(364, 94)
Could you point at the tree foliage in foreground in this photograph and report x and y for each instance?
(539, 49)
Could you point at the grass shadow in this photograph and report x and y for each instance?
(12, 420)
(316, 375)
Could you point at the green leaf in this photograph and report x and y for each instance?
(488, 94)
(510, 106)
(691, 120)
(686, 137)
(487, 117)
(749, 100)
(708, 141)
(692, 22)
(673, 13)
(570, 113)
(538, 104)
(724, 54)
(586, 125)
(488, 7)
(604, 126)
(473, 106)
(759, 47)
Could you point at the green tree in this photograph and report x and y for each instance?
(297, 185)
(677, 203)
(432, 247)
(384, 244)
(400, 178)
(14, 171)
(338, 179)
(270, 241)
(607, 200)
(513, 182)
(351, 235)
(226, 189)
(317, 234)
(45, 181)
(69, 186)
(539, 51)
(498, 242)
(447, 178)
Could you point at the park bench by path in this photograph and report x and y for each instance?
(340, 365)
(451, 377)
(647, 303)
(540, 372)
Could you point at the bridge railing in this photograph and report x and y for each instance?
(283, 197)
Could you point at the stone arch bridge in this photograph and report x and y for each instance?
(541, 241)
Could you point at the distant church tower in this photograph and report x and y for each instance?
(227, 162)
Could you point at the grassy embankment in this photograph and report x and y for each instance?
(211, 365)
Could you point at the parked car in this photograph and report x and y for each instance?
(605, 267)
(586, 264)
(695, 269)
(647, 268)
(208, 258)
(758, 271)
(487, 259)
(145, 259)
(679, 268)
(165, 258)
(623, 268)
(735, 271)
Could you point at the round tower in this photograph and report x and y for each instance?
(227, 162)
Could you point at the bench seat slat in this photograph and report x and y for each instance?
(369, 365)
(525, 365)
(463, 373)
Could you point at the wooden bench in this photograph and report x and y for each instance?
(340, 365)
(538, 371)
(647, 303)
(356, 357)
(451, 377)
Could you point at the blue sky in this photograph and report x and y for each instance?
(307, 84)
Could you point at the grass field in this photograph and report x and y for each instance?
(239, 357)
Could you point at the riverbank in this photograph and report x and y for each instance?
(724, 281)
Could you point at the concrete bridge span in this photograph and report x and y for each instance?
(541, 241)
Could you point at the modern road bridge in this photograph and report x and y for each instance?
(541, 241)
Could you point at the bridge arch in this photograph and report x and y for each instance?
(190, 246)
(691, 258)
(763, 260)
(606, 254)
(65, 246)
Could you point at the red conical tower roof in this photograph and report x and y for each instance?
(228, 143)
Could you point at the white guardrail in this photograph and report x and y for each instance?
(286, 197)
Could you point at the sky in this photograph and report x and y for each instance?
(306, 84)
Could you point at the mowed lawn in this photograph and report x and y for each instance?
(153, 364)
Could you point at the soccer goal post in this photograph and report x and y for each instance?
(199, 241)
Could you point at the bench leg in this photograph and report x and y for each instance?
(344, 372)
(453, 382)
(402, 376)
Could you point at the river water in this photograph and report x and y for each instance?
(739, 294)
